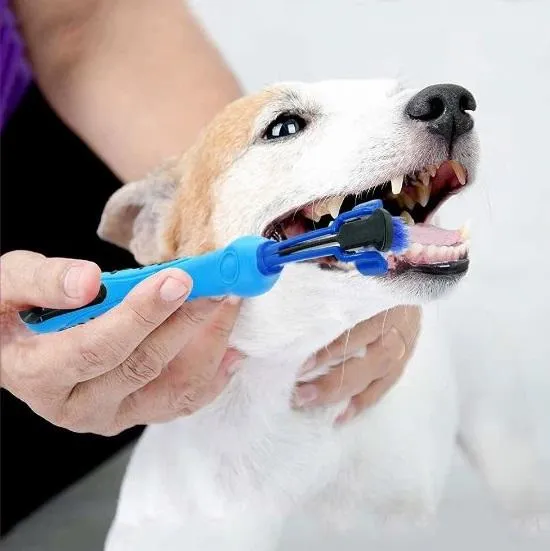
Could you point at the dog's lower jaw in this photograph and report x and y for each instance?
(306, 310)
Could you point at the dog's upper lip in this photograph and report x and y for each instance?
(430, 184)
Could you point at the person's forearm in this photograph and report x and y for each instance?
(136, 79)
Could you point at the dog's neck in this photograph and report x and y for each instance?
(305, 311)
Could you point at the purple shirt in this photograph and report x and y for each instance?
(15, 73)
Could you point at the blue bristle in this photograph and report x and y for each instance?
(400, 235)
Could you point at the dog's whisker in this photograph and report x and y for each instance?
(342, 372)
(386, 314)
(489, 202)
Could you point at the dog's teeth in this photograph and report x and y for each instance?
(314, 214)
(406, 216)
(442, 253)
(333, 205)
(424, 177)
(414, 251)
(432, 169)
(423, 194)
(397, 185)
(459, 171)
(465, 231)
(431, 251)
(320, 210)
(309, 212)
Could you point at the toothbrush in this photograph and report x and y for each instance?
(250, 265)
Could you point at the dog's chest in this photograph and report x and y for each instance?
(259, 445)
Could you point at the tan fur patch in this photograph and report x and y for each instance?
(189, 228)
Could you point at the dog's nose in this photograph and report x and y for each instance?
(442, 107)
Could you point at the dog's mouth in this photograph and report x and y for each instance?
(415, 197)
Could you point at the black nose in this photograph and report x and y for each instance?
(442, 107)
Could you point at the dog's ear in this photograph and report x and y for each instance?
(135, 215)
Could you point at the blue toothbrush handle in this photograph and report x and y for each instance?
(234, 270)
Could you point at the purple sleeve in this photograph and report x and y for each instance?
(15, 73)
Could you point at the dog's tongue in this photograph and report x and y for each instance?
(426, 234)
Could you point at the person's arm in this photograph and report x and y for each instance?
(136, 79)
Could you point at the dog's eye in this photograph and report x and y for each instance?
(283, 126)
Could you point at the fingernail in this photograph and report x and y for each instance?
(305, 394)
(347, 415)
(173, 289)
(233, 300)
(308, 365)
(72, 282)
(394, 343)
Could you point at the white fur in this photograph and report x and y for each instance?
(230, 476)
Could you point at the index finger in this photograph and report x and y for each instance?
(211, 342)
(89, 350)
(194, 379)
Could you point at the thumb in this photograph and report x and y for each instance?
(31, 279)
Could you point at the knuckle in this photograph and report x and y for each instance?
(96, 352)
(73, 414)
(91, 358)
(220, 330)
(78, 414)
(328, 390)
(42, 276)
(363, 401)
(157, 353)
(9, 262)
(190, 317)
(189, 396)
(141, 319)
(70, 418)
(113, 430)
(341, 385)
(140, 367)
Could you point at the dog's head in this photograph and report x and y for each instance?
(289, 158)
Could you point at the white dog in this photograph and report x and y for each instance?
(280, 163)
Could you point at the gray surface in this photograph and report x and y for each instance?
(501, 51)
(78, 519)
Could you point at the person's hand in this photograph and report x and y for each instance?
(153, 357)
(389, 337)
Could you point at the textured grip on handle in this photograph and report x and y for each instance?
(233, 270)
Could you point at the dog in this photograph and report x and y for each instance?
(278, 163)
